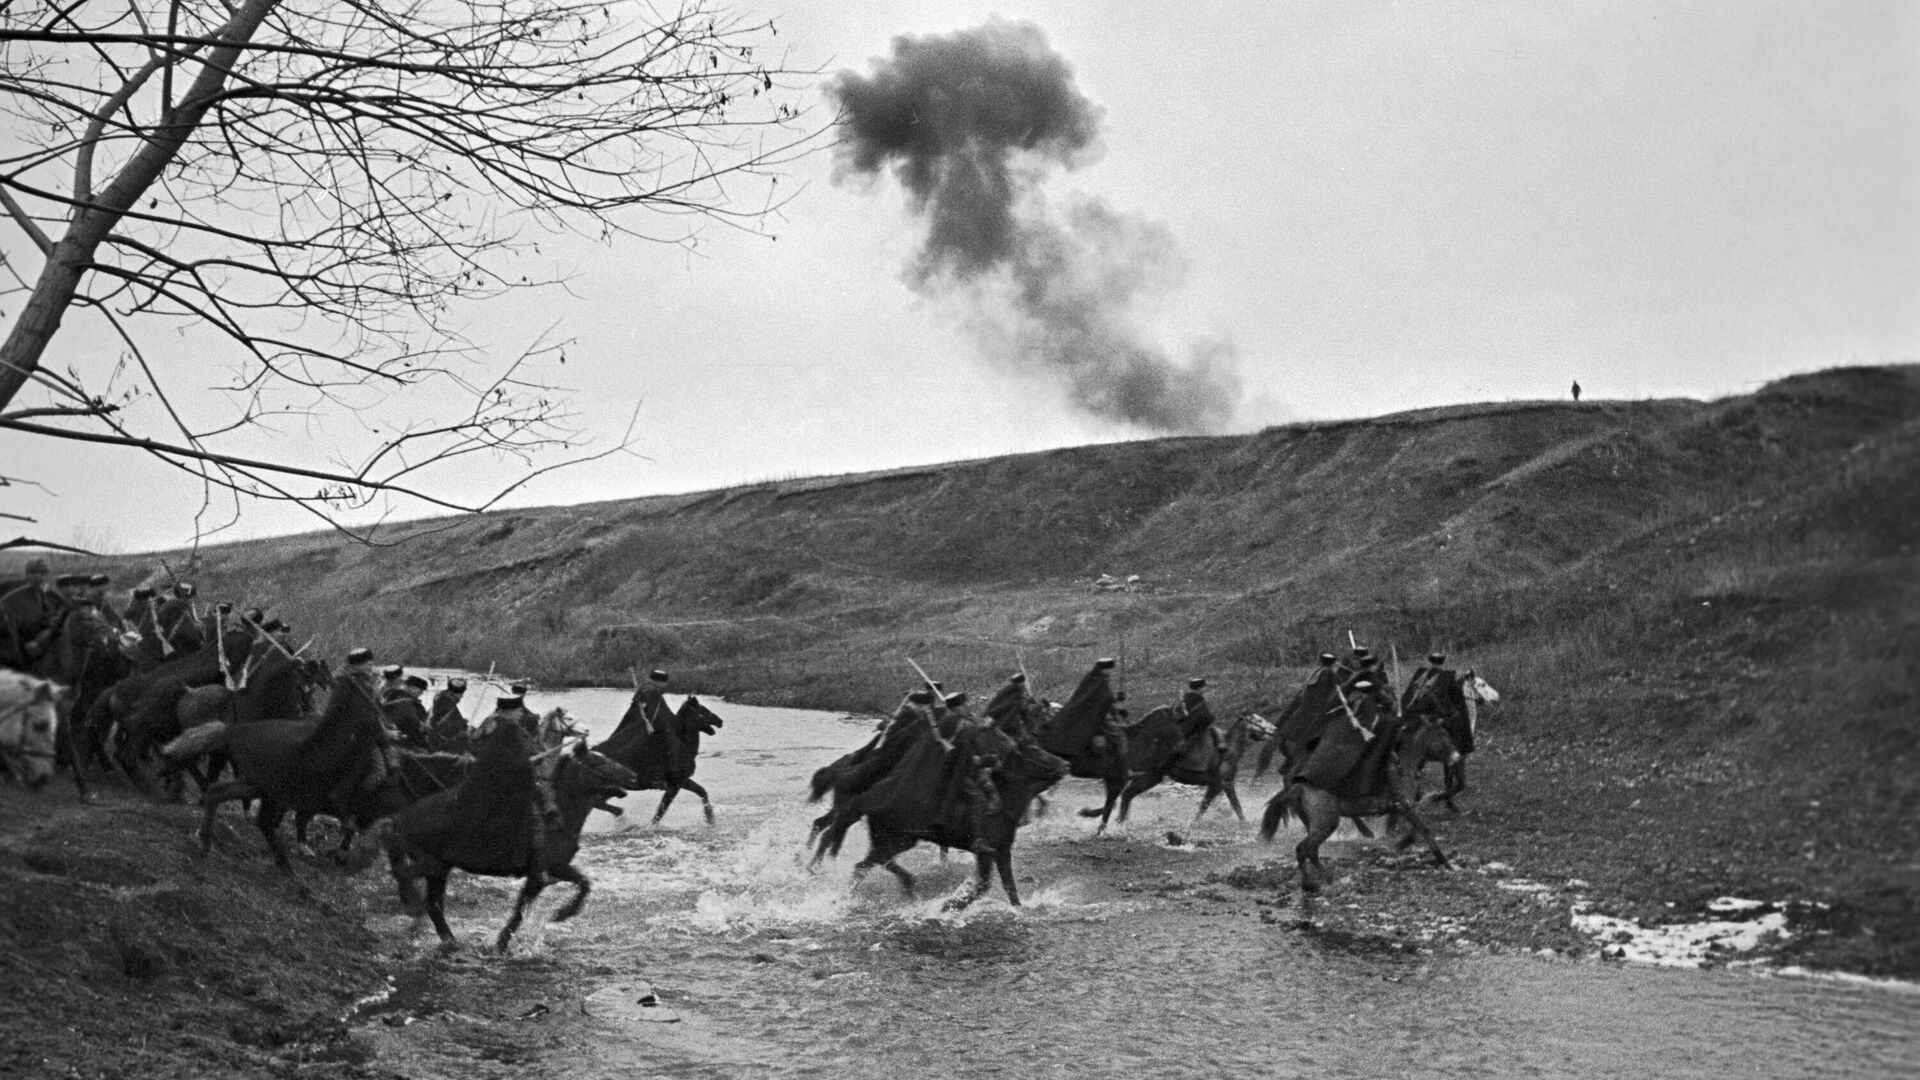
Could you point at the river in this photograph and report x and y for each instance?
(1124, 961)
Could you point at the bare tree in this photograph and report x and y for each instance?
(326, 186)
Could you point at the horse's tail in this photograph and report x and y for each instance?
(195, 743)
(1276, 812)
(1092, 811)
(153, 713)
(822, 783)
(1265, 761)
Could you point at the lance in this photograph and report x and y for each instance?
(924, 677)
(220, 642)
(1394, 648)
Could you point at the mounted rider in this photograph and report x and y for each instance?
(406, 716)
(446, 724)
(1197, 715)
(359, 786)
(1094, 704)
(652, 700)
(31, 611)
(178, 619)
(1343, 745)
(512, 712)
(1010, 709)
(1436, 690)
(393, 684)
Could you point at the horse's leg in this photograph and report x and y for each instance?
(976, 888)
(1419, 829)
(1113, 795)
(405, 873)
(529, 892)
(706, 804)
(581, 888)
(1322, 817)
(1003, 858)
(68, 742)
(906, 879)
(225, 791)
(437, 906)
(666, 800)
(268, 818)
(1233, 800)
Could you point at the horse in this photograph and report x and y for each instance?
(1155, 744)
(856, 771)
(136, 715)
(411, 775)
(290, 766)
(922, 800)
(664, 758)
(29, 726)
(1458, 709)
(1207, 764)
(419, 848)
(1387, 781)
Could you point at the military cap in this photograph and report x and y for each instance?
(100, 579)
(37, 567)
(144, 592)
(657, 675)
(954, 701)
(253, 615)
(1436, 658)
(514, 702)
(1326, 659)
(1362, 684)
(1018, 678)
(360, 656)
(416, 682)
(1196, 684)
(392, 671)
(223, 608)
(921, 697)
(457, 685)
(183, 590)
(70, 581)
(1361, 652)
(1105, 663)
(274, 626)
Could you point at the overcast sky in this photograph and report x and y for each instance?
(1347, 208)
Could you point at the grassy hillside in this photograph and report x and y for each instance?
(1702, 615)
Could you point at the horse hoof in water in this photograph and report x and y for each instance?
(707, 808)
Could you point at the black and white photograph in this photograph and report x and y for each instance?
(619, 539)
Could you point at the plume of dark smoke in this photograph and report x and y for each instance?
(970, 124)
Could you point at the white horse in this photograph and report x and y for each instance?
(1477, 692)
(29, 725)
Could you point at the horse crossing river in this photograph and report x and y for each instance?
(766, 969)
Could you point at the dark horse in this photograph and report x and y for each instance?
(429, 840)
(1386, 781)
(1454, 700)
(664, 758)
(854, 772)
(1155, 745)
(924, 798)
(1207, 765)
(290, 766)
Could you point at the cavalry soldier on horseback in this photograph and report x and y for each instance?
(30, 613)
(1193, 705)
(653, 700)
(406, 716)
(1095, 691)
(1432, 674)
(393, 684)
(512, 712)
(178, 620)
(360, 786)
(1344, 742)
(447, 725)
(1008, 709)
(982, 795)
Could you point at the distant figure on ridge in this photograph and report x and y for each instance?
(1576, 390)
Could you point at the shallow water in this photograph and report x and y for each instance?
(769, 969)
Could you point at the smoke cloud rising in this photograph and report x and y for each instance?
(971, 123)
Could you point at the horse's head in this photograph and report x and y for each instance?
(699, 717)
(587, 770)
(29, 722)
(1477, 688)
(1024, 764)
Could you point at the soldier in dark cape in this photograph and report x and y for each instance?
(393, 684)
(1091, 719)
(1008, 708)
(359, 785)
(31, 610)
(446, 724)
(1193, 703)
(406, 715)
(1346, 742)
(1435, 690)
(498, 806)
(179, 621)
